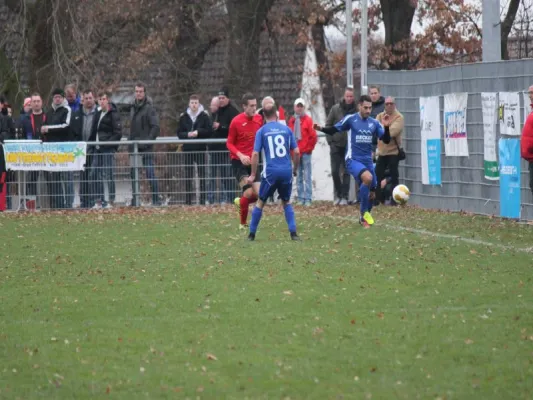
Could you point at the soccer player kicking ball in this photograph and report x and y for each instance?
(358, 156)
(240, 144)
(275, 141)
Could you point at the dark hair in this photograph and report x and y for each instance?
(36, 94)
(270, 111)
(141, 85)
(246, 98)
(194, 97)
(87, 91)
(364, 98)
(374, 87)
(105, 93)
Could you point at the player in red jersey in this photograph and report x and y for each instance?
(240, 144)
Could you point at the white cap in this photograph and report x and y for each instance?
(299, 100)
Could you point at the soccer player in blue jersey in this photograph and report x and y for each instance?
(359, 151)
(275, 141)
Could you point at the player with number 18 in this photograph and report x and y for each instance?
(275, 141)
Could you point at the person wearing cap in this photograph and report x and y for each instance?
(302, 126)
(56, 128)
(220, 162)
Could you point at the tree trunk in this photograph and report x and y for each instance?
(246, 18)
(507, 24)
(326, 80)
(397, 18)
(42, 76)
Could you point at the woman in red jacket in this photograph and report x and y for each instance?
(302, 126)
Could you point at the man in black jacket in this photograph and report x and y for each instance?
(83, 123)
(144, 126)
(108, 128)
(56, 128)
(194, 124)
(220, 163)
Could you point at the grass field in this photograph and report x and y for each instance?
(176, 303)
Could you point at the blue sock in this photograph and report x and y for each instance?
(289, 217)
(257, 213)
(364, 191)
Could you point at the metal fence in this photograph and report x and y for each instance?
(138, 173)
(463, 184)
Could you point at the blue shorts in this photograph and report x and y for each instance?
(270, 184)
(356, 168)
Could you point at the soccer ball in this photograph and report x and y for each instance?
(400, 194)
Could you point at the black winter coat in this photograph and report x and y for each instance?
(58, 122)
(109, 129)
(203, 125)
(223, 116)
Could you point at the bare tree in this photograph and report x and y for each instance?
(507, 25)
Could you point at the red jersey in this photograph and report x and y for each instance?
(526, 142)
(241, 135)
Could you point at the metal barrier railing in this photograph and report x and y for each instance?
(131, 173)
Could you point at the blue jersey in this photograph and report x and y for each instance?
(360, 134)
(275, 141)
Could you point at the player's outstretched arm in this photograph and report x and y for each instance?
(328, 130)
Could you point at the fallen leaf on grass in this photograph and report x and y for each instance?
(381, 315)
(288, 292)
(469, 341)
(211, 357)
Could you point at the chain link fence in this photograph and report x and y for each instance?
(463, 184)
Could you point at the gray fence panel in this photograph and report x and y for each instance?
(463, 184)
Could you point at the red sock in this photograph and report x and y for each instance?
(253, 199)
(244, 202)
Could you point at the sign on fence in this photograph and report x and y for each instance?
(509, 113)
(430, 140)
(489, 106)
(455, 138)
(33, 155)
(509, 150)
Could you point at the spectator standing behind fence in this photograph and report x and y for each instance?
(526, 141)
(73, 98)
(388, 153)
(194, 123)
(24, 112)
(56, 128)
(220, 162)
(6, 132)
(302, 126)
(144, 126)
(337, 147)
(213, 107)
(83, 123)
(108, 129)
(31, 125)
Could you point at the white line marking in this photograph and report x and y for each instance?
(424, 232)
